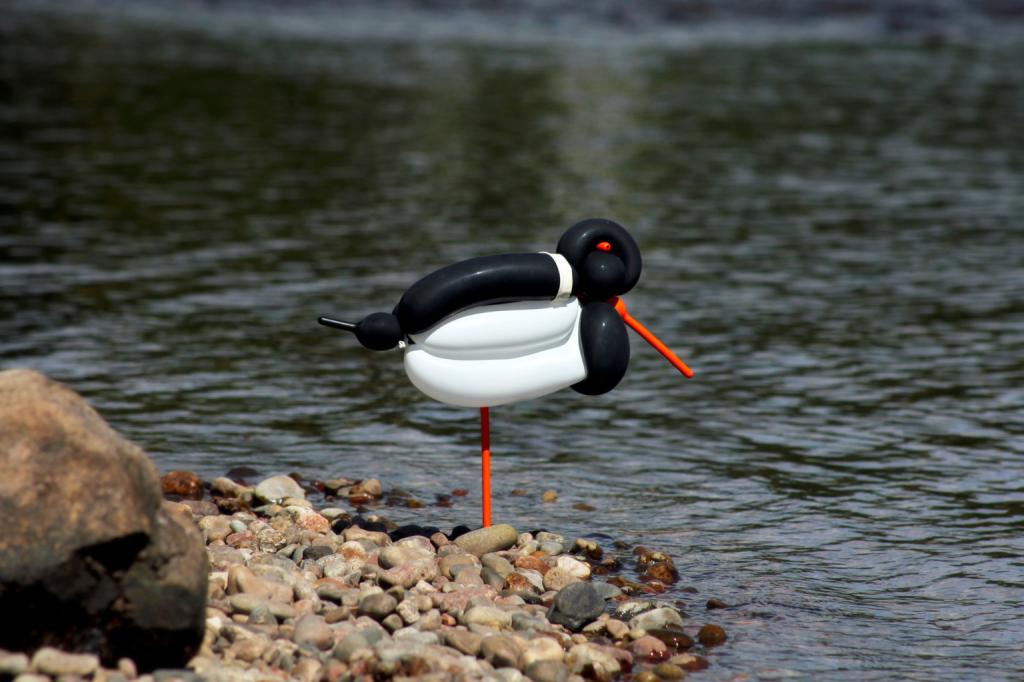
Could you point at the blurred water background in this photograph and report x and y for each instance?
(829, 198)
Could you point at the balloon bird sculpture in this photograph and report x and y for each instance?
(498, 329)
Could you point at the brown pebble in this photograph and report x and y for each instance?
(669, 671)
(532, 563)
(237, 540)
(460, 492)
(645, 676)
(662, 571)
(337, 615)
(517, 582)
(413, 503)
(184, 484)
(717, 604)
(583, 506)
(519, 492)
(674, 639)
(549, 496)
(711, 635)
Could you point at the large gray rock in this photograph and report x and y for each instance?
(91, 559)
(575, 605)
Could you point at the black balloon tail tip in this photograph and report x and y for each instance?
(337, 324)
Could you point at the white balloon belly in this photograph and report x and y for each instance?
(498, 354)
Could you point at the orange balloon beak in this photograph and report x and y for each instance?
(650, 338)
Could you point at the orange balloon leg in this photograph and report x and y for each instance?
(650, 338)
(485, 462)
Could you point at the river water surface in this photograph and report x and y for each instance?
(833, 237)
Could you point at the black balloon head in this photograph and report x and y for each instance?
(605, 257)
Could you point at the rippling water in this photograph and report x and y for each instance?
(833, 239)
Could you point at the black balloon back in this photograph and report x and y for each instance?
(602, 274)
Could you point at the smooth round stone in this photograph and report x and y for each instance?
(408, 575)
(650, 648)
(657, 618)
(225, 487)
(12, 664)
(582, 655)
(54, 662)
(557, 578)
(127, 667)
(449, 563)
(532, 563)
(313, 630)
(408, 611)
(487, 615)
(646, 676)
(429, 621)
(551, 548)
(262, 615)
(497, 563)
(548, 536)
(398, 555)
(393, 622)
(674, 639)
(464, 641)
(616, 629)
(486, 540)
(278, 488)
(492, 578)
(352, 642)
(413, 635)
(377, 606)
(369, 486)
(246, 603)
(183, 484)
(711, 635)
(690, 662)
(332, 513)
(215, 528)
(547, 671)
(541, 649)
(633, 607)
(573, 567)
(525, 621)
(501, 651)
(467, 574)
(575, 605)
(607, 590)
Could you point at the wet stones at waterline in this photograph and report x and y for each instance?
(91, 558)
(301, 592)
(276, 612)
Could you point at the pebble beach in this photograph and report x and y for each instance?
(334, 590)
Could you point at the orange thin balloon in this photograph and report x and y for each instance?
(485, 463)
(650, 338)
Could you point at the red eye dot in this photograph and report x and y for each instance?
(604, 246)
